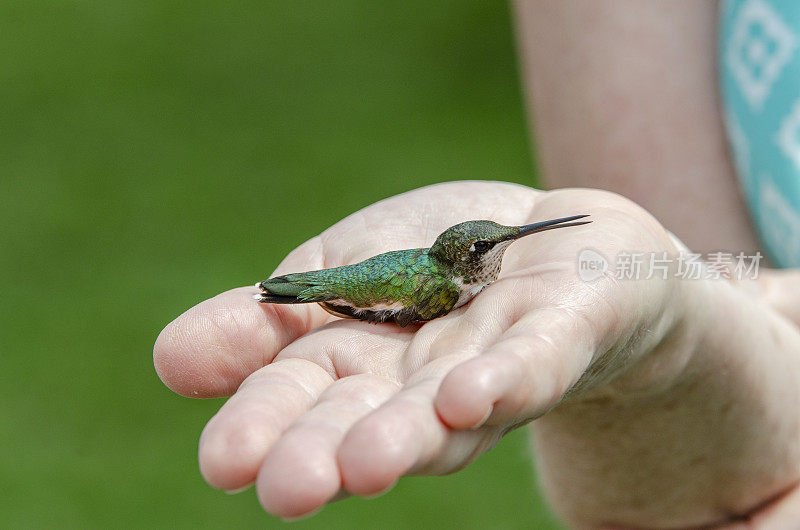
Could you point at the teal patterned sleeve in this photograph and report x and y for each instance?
(759, 61)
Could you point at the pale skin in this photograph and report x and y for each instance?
(683, 395)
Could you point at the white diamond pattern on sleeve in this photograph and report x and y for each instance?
(788, 137)
(760, 46)
(759, 62)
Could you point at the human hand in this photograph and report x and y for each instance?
(322, 405)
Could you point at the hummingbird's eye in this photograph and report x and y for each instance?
(481, 246)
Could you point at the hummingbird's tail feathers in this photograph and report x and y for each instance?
(281, 287)
(292, 289)
(271, 299)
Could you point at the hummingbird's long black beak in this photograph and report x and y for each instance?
(549, 225)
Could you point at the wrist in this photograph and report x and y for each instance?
(703, 425)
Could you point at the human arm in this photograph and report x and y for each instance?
(623, 96)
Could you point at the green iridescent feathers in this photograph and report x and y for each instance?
(404, 279)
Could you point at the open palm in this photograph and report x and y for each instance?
(323, 406)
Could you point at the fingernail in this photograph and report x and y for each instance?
(301, 517)
(382, 492)
(235, 491)
(483, 420)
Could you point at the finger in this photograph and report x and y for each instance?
(781, 512)
(211, 348)
(234, 443)
(405, 435)
(523, 375)
(300, 473)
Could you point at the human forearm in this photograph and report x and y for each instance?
(623, 97)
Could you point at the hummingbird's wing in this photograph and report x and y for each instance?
(403, 286)
(386, 277)
(435, 297)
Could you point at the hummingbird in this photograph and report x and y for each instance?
(413, 285)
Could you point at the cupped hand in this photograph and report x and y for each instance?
(322, 406)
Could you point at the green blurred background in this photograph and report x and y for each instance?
(155, 153)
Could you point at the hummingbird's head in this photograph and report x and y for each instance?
(477, 247)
